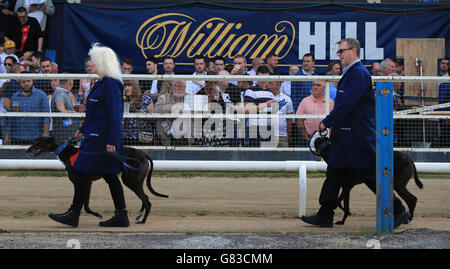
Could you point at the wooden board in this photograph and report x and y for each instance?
(429, 50)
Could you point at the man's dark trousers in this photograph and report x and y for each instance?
(336, 177)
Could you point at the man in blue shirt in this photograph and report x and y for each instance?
(300, 90)
(23, 130)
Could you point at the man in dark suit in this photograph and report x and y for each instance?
(353, 139)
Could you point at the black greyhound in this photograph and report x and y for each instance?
(131, 177)
(404, 169)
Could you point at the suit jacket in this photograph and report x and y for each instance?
(352, 121)
(103, 125)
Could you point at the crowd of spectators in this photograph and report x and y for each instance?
(23, 32)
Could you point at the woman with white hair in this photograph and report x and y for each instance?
(103, 138)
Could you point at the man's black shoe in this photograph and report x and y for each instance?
(120, 219)
(69, 218)
(402, 218)
(318, 221)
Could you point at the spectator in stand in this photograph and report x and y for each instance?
(400, 86)
(219, 64)
(193, 86)
(239, 67)
(11, 86)
(335, 67)
(38, 9)
(230, 93)
(7, 17)
(8, 62)
(150, 87)
(85, 84)
(443, 66)
(376, 71)
(258, 100)
(229, 68)
(313, 104)
(35, 66)
(300, 90)
(286, 85)
(257, 62)
(44, 84)
(172, 103)
(24, 130)
(210, 66)
(283, 132)
(127, 66)
(61, 101)
(10, 48)
(132, 127)
(26, 60)
(333, 86)
(26, 33)
(213, 135)
(272, 62)
(168, 66)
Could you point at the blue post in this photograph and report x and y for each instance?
(385, 177)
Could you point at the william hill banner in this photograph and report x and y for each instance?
(253, 30)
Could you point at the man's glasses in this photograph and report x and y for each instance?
(8, 64)
(342, 50)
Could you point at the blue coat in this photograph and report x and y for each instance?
(102, 126)
(352, 121)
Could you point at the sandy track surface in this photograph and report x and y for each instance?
(209, 205)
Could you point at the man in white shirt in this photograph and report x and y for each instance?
(284, 107)
(255, 64)
(193, 86)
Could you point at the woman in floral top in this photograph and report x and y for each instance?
(138, 104)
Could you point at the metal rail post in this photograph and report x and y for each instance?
(384, 141)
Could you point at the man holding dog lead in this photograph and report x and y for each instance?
(353, 138)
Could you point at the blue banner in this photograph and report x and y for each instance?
(183, 31)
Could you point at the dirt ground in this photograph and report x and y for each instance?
(217, 205)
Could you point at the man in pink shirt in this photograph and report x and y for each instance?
(313, 104)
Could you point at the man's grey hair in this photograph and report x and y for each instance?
(385, 63)
(352, 43)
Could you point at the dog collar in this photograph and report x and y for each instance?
(63, 146)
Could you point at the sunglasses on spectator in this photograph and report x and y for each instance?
(8, 64)
(342, 50)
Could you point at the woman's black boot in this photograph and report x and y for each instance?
(69, 218)
(120, 219)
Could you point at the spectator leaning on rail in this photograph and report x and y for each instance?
(313, 104)
(283, 132)
(24, 130)
(259, 100)
(352, 149)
